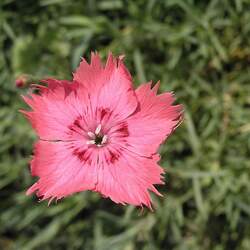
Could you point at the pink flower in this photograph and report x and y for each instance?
(98, 133)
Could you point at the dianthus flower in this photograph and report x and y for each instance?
(98, 133)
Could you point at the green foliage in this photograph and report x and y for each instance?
(200, 50)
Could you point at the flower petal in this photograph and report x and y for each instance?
(54, 109)
(110, 87)
(60, 170)
(155, 119)
(127, 178)
(90, 75)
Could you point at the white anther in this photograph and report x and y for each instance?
(91, 142)
(104, 139)
(91, 135)
(98, 129)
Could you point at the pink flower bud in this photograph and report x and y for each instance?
(21, 81)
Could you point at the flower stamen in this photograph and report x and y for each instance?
(91, 135)
(98, 129)
(104, 139)
(97, 138)
(90, 142)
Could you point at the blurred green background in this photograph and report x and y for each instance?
(200, 50)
